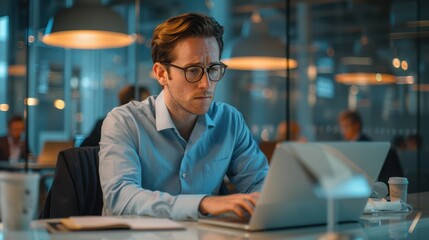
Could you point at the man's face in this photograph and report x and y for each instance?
(194, 97)
(16, 129)
(349, 129)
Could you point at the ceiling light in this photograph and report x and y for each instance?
(365, 67)
(87, 26)
(256, 50)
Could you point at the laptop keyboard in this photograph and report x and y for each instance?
(234, 219)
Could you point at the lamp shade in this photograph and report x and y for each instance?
(365, 67)
(87, 26)
(364, 75)
(257, 50)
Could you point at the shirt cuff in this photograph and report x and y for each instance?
(186, 207)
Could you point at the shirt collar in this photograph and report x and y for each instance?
(163, 118)
(208, 120)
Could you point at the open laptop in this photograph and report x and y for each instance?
(50, 151)
(291, 194)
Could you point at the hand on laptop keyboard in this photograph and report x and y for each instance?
(240, 204)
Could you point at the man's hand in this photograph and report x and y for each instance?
(240, 204)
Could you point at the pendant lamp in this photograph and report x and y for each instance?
(256, 49)
(365, 67)
(87, 26)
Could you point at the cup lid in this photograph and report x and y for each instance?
(398, 180)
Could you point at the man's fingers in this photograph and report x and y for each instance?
(247, 205)
(238, 211)
(240, 204)
(253, 198)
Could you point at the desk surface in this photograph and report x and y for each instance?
(414, 225)
(18, 166)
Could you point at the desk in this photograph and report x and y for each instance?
(19, 166)
(386, 226)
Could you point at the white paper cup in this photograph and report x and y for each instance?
(398, 188)
(19, 194)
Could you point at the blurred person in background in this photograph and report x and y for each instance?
(12, 147)
(125, 95)
(351, 126)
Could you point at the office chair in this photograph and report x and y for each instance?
(75, 189)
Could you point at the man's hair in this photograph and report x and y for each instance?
(14, 118)
(127, 93)
(352, 116)
(166, 35)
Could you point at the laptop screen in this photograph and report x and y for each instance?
(294, 191)
(291, 193)
(50, 151)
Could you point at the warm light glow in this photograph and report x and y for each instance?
(31, 101)
(421, 87)
(59, 104)
(88, 39)
(260, 63)
(312, 72)
(414, 223)
(378, 77)
(31, 39)
(404, 65)
(256, 17)
(17, 70)
(404, 79)
(4, 107)
(364, 78)
(396, 62)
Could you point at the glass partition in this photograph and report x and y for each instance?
(69, 90)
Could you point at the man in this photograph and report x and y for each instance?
(125, 95)
(167, 156)
(351, 128)
(12, 148)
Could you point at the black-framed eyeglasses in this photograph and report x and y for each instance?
(194, 74)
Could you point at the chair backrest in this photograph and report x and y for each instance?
(268, 149)
(75, 189)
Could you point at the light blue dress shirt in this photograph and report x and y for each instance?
(147, 168)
